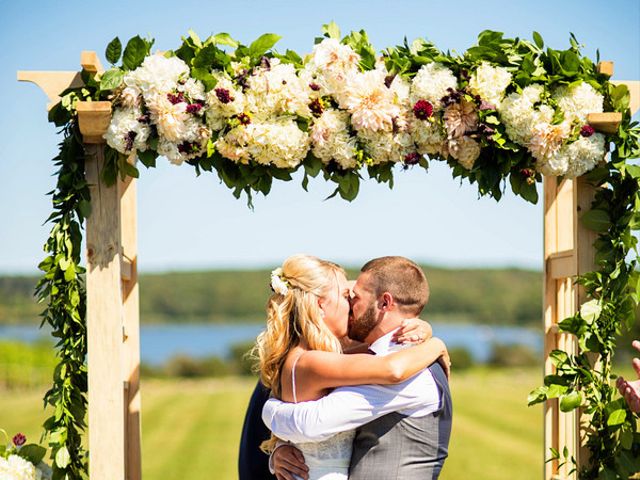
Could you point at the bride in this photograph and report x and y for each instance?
(301, 356)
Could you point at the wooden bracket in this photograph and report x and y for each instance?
(93, 120)
(54, 83)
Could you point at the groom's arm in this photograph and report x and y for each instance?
(347, 408)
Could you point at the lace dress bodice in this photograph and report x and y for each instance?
(328, 459)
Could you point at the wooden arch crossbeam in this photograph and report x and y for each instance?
(113, 333)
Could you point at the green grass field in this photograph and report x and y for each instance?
(191, 428)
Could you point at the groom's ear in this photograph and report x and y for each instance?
(386, 301)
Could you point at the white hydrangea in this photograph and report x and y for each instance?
(576, 158)
(519, 115)
(490, 82)
(330, 139)
(157, 74)
(233, 145)
(371, 104)
(576, 102)
(280, 143)
(428, 136)
(431, 84)
(277, 90)
(193, 89)
(17, 468)
(126, 132)
(383, 146)
(217, 110)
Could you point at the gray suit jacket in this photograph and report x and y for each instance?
(396, 446)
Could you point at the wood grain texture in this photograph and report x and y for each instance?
(104, 325)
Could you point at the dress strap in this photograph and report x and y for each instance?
(293, 377)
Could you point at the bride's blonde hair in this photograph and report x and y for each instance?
(294, 315)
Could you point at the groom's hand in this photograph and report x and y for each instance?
(287, 461)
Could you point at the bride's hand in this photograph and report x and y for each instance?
(413, 330)
(445, 362)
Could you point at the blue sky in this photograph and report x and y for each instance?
(195, 223)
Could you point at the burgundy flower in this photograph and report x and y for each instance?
(224, 95)
(422, 109)
(314, 86)
(177, 98)
(316, 107)
(265, 63)
(130, 138)
(194, 108)
(19, 439)
(388, 80)
(188, 147)
(451, 98)
(412, 158)
(587, 131)
(243, 118)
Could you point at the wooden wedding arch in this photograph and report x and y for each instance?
(113, 327)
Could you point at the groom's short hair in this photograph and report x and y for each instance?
(402, 278)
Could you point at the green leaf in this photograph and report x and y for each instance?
(626, 439)
(111, 79)
(590, 311)
(148, 158)
(85, 208)
(617, 417)
(331, 30)
(196, 39)
(260, 46)
(537, 395)
(70, 273)
(113, 51)
(537, 38)
(206, 57)
(62, 457)
(596, 220)
(32, 452)
(134, 53)
(224, 39)
(570, 401)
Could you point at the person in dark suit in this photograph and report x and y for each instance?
(253, 463)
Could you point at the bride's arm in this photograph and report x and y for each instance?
(328, 370)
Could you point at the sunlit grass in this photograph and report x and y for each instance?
(191, 428)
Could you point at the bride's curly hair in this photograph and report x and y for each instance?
(294, 314)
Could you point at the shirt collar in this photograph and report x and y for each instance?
(384, 344)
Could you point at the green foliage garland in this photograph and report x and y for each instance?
(613, 441)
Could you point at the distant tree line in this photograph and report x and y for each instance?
(489, 296)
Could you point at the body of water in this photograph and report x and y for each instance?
(158, 343)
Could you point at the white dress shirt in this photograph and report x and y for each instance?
(347, 408)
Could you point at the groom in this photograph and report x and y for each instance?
(402, 431)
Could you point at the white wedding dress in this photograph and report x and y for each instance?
(330, 458)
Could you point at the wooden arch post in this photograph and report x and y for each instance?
(569, 251)
(113, 326)
(113, 307)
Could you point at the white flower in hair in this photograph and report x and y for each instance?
(278, 284)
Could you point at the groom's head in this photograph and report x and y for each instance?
(388, 290)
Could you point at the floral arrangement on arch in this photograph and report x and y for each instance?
(345, 106)
(22, 461)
